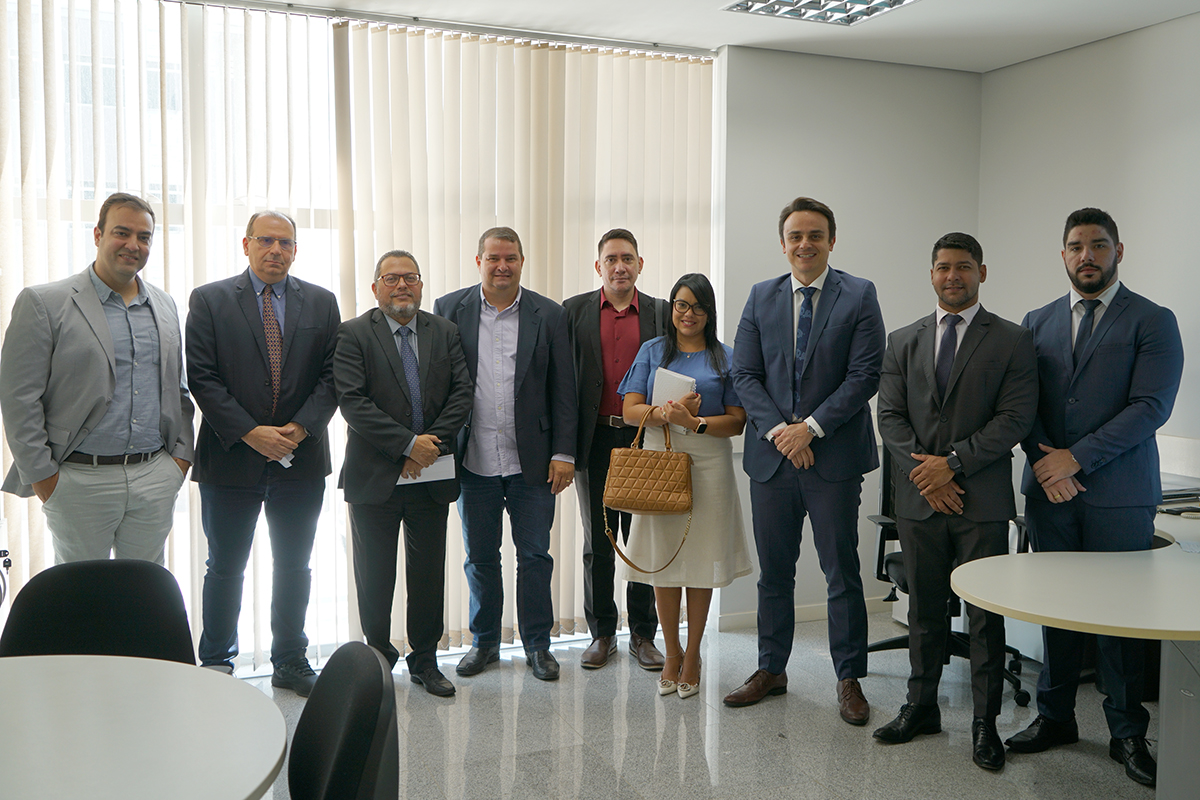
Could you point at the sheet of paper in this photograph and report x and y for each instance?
(286, 461)
(440, 470)
(670, 385)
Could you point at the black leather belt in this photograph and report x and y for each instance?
(612, 422)
(108, 461)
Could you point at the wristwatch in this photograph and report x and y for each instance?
(703, 426)
(954, 462)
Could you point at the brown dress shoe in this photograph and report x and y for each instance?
(851, 703)
(758, 686)
(597, 653)
(645, 652)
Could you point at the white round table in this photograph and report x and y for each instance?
(130, 728)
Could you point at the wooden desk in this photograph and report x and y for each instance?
(1149, 594)
(130, 728)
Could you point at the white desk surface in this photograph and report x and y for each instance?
(131, 728)
(1149, 594)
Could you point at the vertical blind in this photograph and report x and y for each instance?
(372, 137)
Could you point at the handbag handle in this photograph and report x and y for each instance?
(637, 437)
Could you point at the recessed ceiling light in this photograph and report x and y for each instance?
(833, 12)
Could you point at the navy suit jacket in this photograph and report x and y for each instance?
(376, 403)
(841, 374)
(1107, 409)
(990, 403)
(230, 377)
(544, 384)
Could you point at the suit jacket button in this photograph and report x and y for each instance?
(945, 420)
(1071, 401)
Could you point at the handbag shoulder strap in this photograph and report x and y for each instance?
(617, 548)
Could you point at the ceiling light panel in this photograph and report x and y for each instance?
(831, 12)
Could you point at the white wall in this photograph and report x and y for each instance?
(1116, 125)
(893, 150)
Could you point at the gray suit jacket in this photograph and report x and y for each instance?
(58, 374)
(990, 404)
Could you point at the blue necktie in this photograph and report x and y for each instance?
(1085, 327)
(803, 329)
(413, 375)
(945, 358)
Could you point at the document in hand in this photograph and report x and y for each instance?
(440, 470)
(670, 385)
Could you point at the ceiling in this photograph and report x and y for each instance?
(970, 35)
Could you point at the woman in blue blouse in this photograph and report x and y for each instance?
(715, 550)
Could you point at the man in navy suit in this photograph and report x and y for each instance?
(1109, 366)
(805, 364)
(518, 448)
(260, 366)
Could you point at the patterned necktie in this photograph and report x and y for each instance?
(803, 329)
(274, 344)
(945, 358)
(413, 375)
(1085, 327)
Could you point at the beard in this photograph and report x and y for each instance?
(1096, 283)
(400, 310)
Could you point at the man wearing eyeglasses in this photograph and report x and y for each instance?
(260, 365)
(99, 424)
(607, 326)
(404, 390)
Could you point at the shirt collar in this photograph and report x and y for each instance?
(515, 304)
(259, 284)
(818, 284)
(604, 301)
(1105, 298)
(103, 290)
(396, 326)
(967, 314)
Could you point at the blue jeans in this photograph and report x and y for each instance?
(230, 515)
(531, 513)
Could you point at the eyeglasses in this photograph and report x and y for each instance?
(269, 242)
(392, 279)
(683, 306)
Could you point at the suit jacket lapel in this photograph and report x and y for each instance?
(291, 315)
(590, 330)
(248, 303)
(1060, 321)
(468, 328)
(387, 342)
(927, 352)
(527, 334)
(785, 331)
(647, 319)
(424, 348)
(1116, 308)
(163, 354)
(88, 303)
(976, 331)
(825, 303)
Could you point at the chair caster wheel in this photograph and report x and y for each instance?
(1022, 697)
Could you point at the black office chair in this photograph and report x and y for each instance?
(107, 608)
(346, 743)
(889, 568)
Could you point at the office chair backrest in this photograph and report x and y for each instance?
(107, 608)
(346, 745)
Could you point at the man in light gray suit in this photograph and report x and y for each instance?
(95, 411)
(958, 392)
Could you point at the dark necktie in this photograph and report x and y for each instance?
(803, 329)
(274, 344)
(945, 358)
(412, 374)
(1085, 327)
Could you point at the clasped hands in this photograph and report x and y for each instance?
(424, 452)
(794, 442)
(682, 412)
(935, 479)
(276, 442)
(1055, 471)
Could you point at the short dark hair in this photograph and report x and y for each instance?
(616, 233)
(958, 241)
(1091, 216)
(503, 234)
(395, 254)
(122, 199)
(269, 213)
(807, 204)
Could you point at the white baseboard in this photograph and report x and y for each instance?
(743, 620)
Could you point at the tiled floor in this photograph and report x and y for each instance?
(607, 734)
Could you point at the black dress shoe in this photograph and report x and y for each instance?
(433, 681)
(1133, 753)
(477, 660)
(912, 721)
(545, 668)
(986, 751)
(296, 675)
(1042, 734)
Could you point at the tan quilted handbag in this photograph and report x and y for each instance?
(648, 482)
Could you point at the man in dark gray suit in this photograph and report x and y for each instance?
(958, 392)
(95, 411)
(260, 365)
(607, 327)
(518, 451)
(404, 391)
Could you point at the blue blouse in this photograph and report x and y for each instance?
(715, 394)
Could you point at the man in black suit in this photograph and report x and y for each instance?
(958, 392)
(607, 327)
(518, 451)
(260, 367)
(405, 393)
